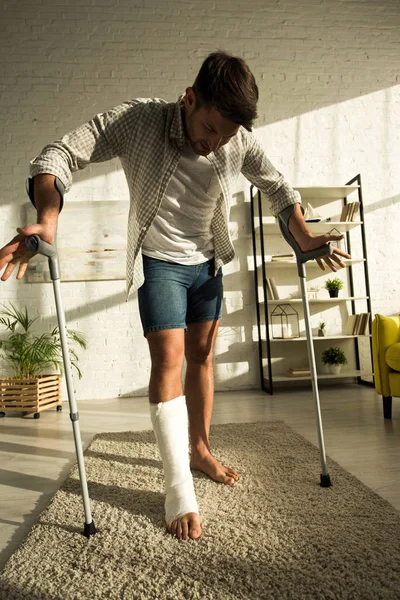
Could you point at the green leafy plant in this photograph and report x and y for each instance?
(322, 325)
(29, 354)
(333, 284)
(334, 356)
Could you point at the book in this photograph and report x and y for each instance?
(282, 257)
(299, 372)
(349, 211)
(274, 288)
(364, 324)
(357, 324)
(270, 290)
(350, 325)
(352, 210)
(356, 211)
(344, 213)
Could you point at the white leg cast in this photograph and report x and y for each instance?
(170, 425)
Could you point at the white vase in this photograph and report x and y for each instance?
(334, 369)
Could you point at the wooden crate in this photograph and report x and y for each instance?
(30, 395)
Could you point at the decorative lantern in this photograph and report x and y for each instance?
(341, 244)
(285, 322)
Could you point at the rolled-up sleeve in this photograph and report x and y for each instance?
(259, 170)
(102, 138)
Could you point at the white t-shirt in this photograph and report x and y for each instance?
(181, 232)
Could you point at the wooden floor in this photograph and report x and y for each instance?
(37, 454)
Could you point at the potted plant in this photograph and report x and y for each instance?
(321, 329)
(333, 286)
(28, 355)
(334, 358)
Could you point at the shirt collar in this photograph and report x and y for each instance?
(177, 130)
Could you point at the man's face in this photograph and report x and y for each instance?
(206, 128)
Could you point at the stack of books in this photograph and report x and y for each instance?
(272, 289)
(299, 372)
(357, 324)
(350, 211)
(282, 257)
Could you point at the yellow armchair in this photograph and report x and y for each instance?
(386, 355)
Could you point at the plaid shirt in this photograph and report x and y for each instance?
(147, 135)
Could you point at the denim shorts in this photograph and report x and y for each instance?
(174, 295)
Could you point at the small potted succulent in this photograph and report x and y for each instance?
(334, 358)
(321, 329)
(333, 286)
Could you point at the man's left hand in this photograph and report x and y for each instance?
(307, 241)
(335, 260)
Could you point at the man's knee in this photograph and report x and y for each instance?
(200, 353)
(199, 342)
(166, 348)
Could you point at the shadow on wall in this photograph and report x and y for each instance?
(236, 364)
(384, 203)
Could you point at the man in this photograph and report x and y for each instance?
(181, 161)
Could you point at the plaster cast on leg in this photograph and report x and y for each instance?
(170, 425)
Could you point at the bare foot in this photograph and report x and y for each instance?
(185, 527)
(211, 467)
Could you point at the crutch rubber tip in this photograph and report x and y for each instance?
(325, 481)
(89, 529)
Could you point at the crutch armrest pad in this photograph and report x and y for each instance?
(301, 256)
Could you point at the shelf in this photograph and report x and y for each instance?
(311, 263)
(316, 300)
(329, 202)
(341, 375)
(317, 338)
(326, 192)
(317, 228)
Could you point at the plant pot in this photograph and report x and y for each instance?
(30, 395)
(321, 332)
(333, 293)
(334, 369)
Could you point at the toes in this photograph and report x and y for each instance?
(231, 476)
(229, 480)
(195, 530)
(172, 527)
(185, 530)
(232, 473)
(195, 533)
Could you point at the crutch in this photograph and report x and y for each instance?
(302, 258)
(36, 244)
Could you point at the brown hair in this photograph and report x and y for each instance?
(226, 83)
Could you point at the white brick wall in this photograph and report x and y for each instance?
(329, 109)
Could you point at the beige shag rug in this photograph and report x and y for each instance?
(277, 534)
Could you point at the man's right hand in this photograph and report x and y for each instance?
(16, 253)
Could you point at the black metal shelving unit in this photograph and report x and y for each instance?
(264, 340)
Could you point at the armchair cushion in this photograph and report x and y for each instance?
(385, 334)
(392, 356)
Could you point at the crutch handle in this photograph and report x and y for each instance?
(34, 243)
(301, 256)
